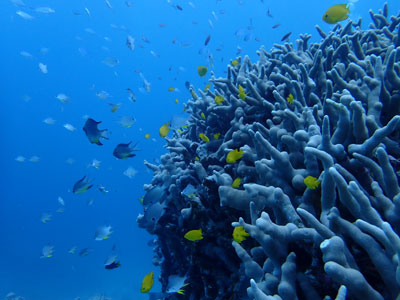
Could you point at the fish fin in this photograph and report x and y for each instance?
(134, 146)
(346, 7)
(105, 134)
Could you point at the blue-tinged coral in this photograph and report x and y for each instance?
(313, 132)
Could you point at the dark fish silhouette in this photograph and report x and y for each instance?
(82, 185)
(123, 151)
(93, 133)
(285, 38)
(113, 265)
(207, 40)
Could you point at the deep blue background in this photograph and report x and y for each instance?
(29, 189)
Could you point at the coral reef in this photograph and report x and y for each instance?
(330, 110)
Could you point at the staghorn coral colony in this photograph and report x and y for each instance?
(327, 111)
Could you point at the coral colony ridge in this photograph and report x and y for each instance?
(329, 110)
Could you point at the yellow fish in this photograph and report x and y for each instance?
(194, 235)
(336, 14)
(242, 94)
(171, 89)
(234, 156)
(204, 137)
(147, 136)
(194, 95)
(164, 130)
(202, 70)
(147, 283)
(219, 99)
(239, 234)
(311, 182)
(290, 98)
(207, 87)
(114, 107)
(216, 135)
(236, 183)
(197, 158)
(235, 62)
(203, 115)
(176, 101)
(141, 199)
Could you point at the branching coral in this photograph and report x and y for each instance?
(341, 126)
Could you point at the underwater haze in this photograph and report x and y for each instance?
(68, 206)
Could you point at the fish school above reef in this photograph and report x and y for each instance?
(312, 131)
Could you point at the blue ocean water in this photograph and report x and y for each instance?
(73, 42)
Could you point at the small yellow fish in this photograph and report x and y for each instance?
(141, 199)
(176, 101)
(207, 87)
(216, 135)
(290, 98)
(203, 115)
(202, 70)
(219, 99)
(194, 95)
(164, 130)
(236, 183)
(242, 94)
(235, 62)
(194, 235)
(239, 234)
(114, 107)
(234, 156)
(336, 14)
(147, 283)
(147, 136)
(311, 182)
(197, 158)
(171, 89)
(204, 137)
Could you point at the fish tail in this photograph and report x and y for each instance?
(105, 134)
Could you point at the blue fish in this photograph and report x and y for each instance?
(82, 185)
(123, 151)
(187, 85)
(93, 133)
(85, 252)
(113, 265)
